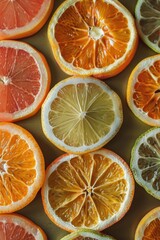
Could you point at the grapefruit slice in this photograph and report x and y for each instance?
(22, 18)
(24, 80)
(18, 227)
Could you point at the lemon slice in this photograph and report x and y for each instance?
(145, 161)
(147, 14)
(81, 114)
(88, 234)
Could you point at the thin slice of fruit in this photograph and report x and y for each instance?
(143, 91)
(22, 167)
(149, 226)
(89, 234)
(24, 80)
(18, 227)
(145, 161)
(23, 18)
(147, 14)
(91, 37)
(81, 114)
(92, 191)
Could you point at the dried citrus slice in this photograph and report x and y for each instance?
(22, 18)
(24, 80)
(143, 90)
(91, 37)
(91, 191)
(18, 227)
(147, 14)
(149, 226)
(21, 167)
(89, 234)
(81, 114)
(145, 161)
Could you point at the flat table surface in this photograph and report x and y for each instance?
(121, 144)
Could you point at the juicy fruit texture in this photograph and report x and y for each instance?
(81, 114)
(24, 80)
(147, 14)
(145, 161)
(21, 168)
(93, 37)
(18, 227)
(149, 226)
(87, 234)
(143, 90)
(22, 18)
(91, 191)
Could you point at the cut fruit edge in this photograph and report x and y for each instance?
(103, 224)
(100, 73)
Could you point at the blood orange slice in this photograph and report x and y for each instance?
(18, 227)
(22, 18)
(24, 80)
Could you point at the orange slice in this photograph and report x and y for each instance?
(81, 114)
(149, 227)
(23, 18)
(91, 37)
(21, 167)
(18, 227)
(91, 191)
(143, 91)
(24, 80)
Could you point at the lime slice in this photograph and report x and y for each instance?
(87, 235)
(145, 161)
(147, 14)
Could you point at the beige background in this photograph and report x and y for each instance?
(121, 144)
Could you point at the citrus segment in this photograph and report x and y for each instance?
(81, 114)
(92, 37)
(24, 80)
(18, 227)
(23, 18)
(89, 234)
(149, 226)
(21, 167)
(87, 191)
(147, 14)
(145, 161)
(143, 90)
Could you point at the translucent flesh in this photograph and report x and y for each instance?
(77, 45)
(87, 189)
(18, 13)
(149, 161)
(17, 170)
(152, 230)
(19, 80)
(11, 231)
(84, 238)
(150, 20)
(146, 94)
(84, 111)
